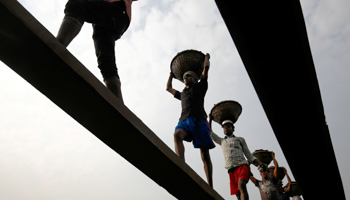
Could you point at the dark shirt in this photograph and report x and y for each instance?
(192, 99)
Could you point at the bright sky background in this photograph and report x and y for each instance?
(45, 154)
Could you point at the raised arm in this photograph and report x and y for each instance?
(289, 181)
(206, 65)
(213, 136)
(169, 85)
(275, 173)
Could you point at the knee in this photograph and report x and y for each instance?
(76, 10)
(178, 135)
(242, 184)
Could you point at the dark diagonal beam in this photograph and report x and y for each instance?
(32, 52)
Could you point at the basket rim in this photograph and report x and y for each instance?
(226, 101)
(223, 102)
(180, 53)
(263, 150)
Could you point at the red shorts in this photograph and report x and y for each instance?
(241, 172)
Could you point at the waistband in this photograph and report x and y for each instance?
(229, 169)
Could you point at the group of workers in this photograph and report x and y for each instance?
(193, 127)
(110, 19)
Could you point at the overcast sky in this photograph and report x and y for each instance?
(45, 154)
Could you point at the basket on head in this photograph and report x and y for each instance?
(187, 60)
(294, 189)
(226, 110)
(280, 172)
(263, 156)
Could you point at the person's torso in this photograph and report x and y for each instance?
(192, 102)
(233, 151)
(268, 189)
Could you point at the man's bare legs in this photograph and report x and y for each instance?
(208, 167)
(243, 192)
(67, 32)
(179, 136)
(114, 85)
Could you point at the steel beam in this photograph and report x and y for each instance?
(272, 41)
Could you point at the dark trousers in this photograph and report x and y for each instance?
(109, 20)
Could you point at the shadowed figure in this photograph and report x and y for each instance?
(268, 186)
(235, 150)
(110, 19)
(193, 125)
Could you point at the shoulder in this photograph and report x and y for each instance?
(240, 138)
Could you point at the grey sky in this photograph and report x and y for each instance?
(45, 154)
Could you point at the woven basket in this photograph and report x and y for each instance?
(188, 60)
(294, 189)
(280, 172)
(226, 110)
(263, 156)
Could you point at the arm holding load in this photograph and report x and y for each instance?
(213, 136)
(206, 65)
(275, 173)
(289, 181)
(169, 85)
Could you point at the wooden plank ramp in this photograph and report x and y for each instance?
(35, 54)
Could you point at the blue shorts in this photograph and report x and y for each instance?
(198, 131)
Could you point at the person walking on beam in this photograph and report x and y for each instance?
(110, 19)
(235, 150)
(193, 125)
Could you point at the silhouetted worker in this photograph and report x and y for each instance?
(284, 195)
(234, 149)
(110, 19)
(268, 185)
(193, 125)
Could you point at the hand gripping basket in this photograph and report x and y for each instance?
(187, 60)
(294, 189)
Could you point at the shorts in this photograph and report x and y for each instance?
(110, 14)
(109, 20)
(198, 131)
(240, 172)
